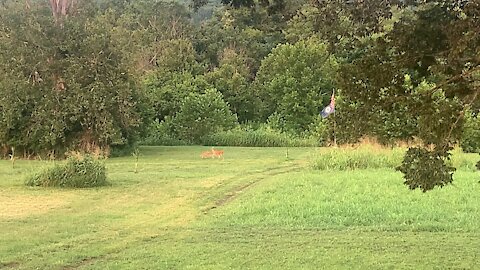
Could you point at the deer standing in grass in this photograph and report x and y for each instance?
(217, 153)
(206, 154)
(212, 154)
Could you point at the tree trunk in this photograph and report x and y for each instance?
(61, 8)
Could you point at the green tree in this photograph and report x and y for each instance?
(296, 82)
(344, 26)
(239, 3)
(427, 64)
(72, 90)
(201, 115)
(253, 31)
(349, 29)
(232, 79)
(166, 91)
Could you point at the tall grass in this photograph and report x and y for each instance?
(368, 156)
(363, 157)
(77, 172)
(464, 161)
(260, 137)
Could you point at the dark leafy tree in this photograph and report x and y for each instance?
(63, 85)
(167, 90)
(144, 31)
(239, 3)
(232, 79)
(428, 64)
(343, 25)
(251, 31)
(197, 4)
(426, 169)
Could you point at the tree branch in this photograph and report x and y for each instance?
(454, 78)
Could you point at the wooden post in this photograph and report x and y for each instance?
(334, 122)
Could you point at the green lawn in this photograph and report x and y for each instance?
(255, 209)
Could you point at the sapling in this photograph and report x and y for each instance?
(12, 157)
(135, 154)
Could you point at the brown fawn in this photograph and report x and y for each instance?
(217, 153)
(206, 154)
(212, 154)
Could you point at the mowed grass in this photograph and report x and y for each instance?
(256, 209)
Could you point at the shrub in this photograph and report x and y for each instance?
(202, 114)
(77, 172)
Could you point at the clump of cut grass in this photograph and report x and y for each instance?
(136, 154)
(363, 157)
(77, 172)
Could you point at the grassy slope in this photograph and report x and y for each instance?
(255, 209)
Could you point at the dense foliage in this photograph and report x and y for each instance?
(89, 75)
(295, 81)
(418, 165)
(64, 86)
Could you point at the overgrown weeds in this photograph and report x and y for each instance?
(364, 157)
(77, 172)
(372, 156)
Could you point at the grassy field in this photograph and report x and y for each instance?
(256, 209)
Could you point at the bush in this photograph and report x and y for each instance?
(75, 173)
(201, 115)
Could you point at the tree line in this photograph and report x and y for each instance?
(104, 74)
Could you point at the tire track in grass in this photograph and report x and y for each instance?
(233, 193)
(83, 263)
(177, 229)
(9, 265)
(171, 217)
